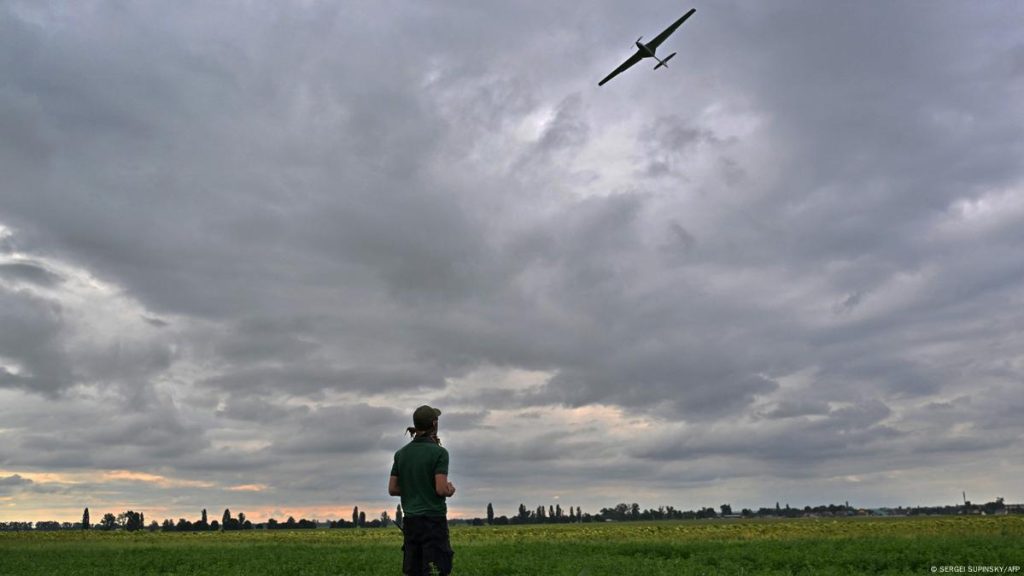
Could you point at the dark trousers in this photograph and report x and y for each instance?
(426, 543)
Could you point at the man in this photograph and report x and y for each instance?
(420, 476)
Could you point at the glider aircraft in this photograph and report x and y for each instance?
(647, 50)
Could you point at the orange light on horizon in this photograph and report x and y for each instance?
(162, 481)
(248, 488)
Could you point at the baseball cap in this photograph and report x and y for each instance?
(424, 416)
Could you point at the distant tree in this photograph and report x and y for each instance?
(241, 519)
(572, 515)
(551, 512)
(706, 513)
(108, 522)
(362, 519)
(308, 524)
(355, 515)
(490, 513)
(205, 521)
(634, 511)
(225, 521)
(384, 519)
(168, 525)
(214, 526)
(85, 519)
(523, 512)
(131, 520)
(290, 523)
(726, 509)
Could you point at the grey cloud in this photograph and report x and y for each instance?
(230, 462)
(340, 430)
(568, 128)
(14, 483)
(254, 409)
(668, 140)
(679, 244)
(299, 230)
(32, 336)
(966, 445)
(313, 379)
(117, 443)
(681, 236)
(844, 434)
(14, 480)
(157, 322)
(458, 420)
(30, 273)
(848, 303)
(796, 408)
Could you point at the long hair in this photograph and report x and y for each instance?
(432, 433)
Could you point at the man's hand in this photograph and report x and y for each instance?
(451, 489)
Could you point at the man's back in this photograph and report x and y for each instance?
(416, 465)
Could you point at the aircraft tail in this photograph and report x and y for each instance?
(665, 61)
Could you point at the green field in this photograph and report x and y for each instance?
(803, 546)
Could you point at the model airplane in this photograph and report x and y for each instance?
(647, 50)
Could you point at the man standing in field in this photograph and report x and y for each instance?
(420, 476)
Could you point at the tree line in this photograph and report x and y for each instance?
(131, 521)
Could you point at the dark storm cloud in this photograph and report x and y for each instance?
(464, 420)
(311, 380)
(849, 432)
(253, 409)
(32, 337)
(29, 272)
(351, 429)
(568, 128)
(794, 408)
(156, 322)
(14, 480)
(120, 432)
(669, 140)
(280, 227)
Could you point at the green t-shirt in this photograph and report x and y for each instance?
(415, 465)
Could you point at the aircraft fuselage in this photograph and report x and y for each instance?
(645, 51)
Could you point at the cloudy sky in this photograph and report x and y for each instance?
(241, 241)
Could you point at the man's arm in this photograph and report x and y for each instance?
(393, 488)
(442, 486)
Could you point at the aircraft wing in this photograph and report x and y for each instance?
(632, 60)
(668, 31)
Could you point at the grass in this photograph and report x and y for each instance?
(776, 547)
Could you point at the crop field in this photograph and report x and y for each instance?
(802, 546)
